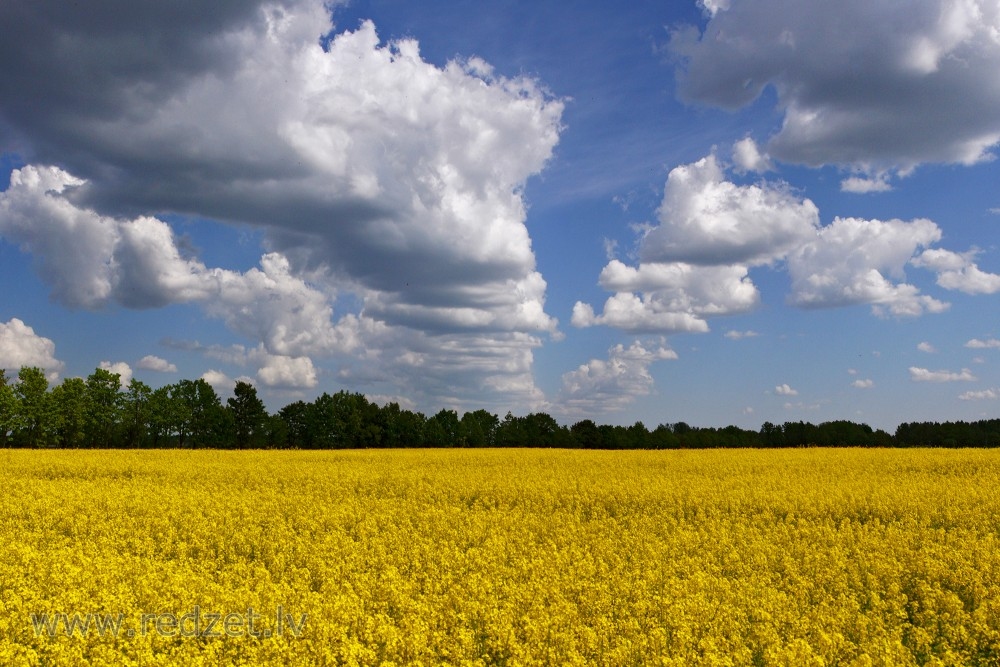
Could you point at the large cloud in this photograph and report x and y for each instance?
(408, 185)
(707, 219)
(373, 173)
(860, 82)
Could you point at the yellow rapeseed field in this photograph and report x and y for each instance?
(482, 557)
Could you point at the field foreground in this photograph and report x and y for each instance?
(804, 557)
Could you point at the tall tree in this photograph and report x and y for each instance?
(586, 435)
(166, 417)
(249, 417)
(478, 429)
(103, 407)
(200, 412)
(442, 429)
(69, 403)
(298, 428)
(33, 420)
(136, 413)
(8, 409)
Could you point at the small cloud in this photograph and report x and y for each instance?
(220, 382)
(863, 384)
(610, 249)
(925, 375)
(860, 185)
(926, 347)
(977, 344)
(287, 372)
(124, 371)
(852, 371)
(153, 363)
(625, 201)
(739, 335)
(801, 406)
(986, 394)
(747, 157)
(785, 390)
(748, 410)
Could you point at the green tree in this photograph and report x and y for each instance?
(637, 436)
(478, 429)
(34, 422)
(442, 429)
(166, 418)
(541, 430)
(298, 424)
(69, 403)
(249, 417)
(663, 437)
(104, 406)
(8, 409)
(586, 434)
(136, 413)
(202, 419)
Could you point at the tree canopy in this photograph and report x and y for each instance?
(99, 412)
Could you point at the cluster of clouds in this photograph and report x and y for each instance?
(607, 385)
(21, 346)
(695, 262)
(373, 173)
(92, 260)
(878, 122)
(382, 180)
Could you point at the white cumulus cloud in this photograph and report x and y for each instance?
(747, 157)
(20, 346)
(123, 370)
(153, 363)
(856, 261)
(958, 271)
(706, 219)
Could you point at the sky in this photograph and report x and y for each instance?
(717, 212)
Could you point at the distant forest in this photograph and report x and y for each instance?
(97, 412)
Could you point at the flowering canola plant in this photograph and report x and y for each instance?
(483, 557)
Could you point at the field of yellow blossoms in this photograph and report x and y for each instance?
(483, 557)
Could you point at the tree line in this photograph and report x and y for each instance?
(97, 412)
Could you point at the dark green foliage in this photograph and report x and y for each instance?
(97, 412)
(249, 417)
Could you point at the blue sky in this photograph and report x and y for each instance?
(720, 212)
